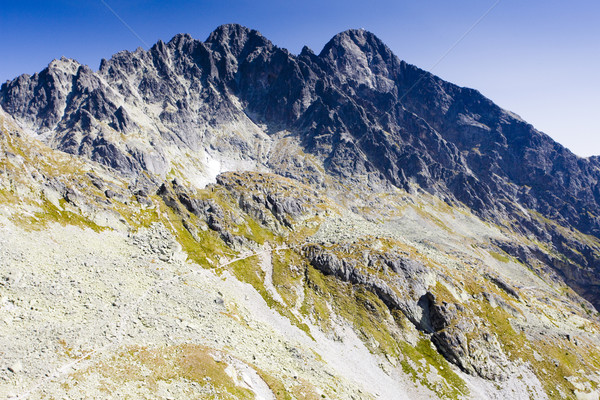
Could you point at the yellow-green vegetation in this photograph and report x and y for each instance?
(305, 390)
(504, 258)
(552, 359)
(37, 162)
(248, 270)
(327, 298)
(556, 364)
(288, 274)
(263, 185)
(557, 360)
(9, 197)
(148, 366)
(234, 220)
(442, 294)
(48, 213)
(276, 386)
(499, 323)
(300, 389)
(206, 245)
(202, 244)
(430, 217)
(303, 230)
(265, 182)
(253, 231)
(138, 217)
(375, 246)
(420, 360)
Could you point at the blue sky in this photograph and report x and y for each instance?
(540, 59)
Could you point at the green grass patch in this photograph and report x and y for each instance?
(556, 359)
(368, 315)
(504, 258)
(452, 387)
(276, 386)
(288, 271)
(209, 244)
(248, 270)
(49, 213)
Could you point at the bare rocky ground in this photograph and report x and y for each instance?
(77, 303)
(72, 299)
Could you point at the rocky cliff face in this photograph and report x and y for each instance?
(355, 105)
(354, 193)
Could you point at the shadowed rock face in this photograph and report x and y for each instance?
(356, 106)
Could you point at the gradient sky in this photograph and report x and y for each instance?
(538, 58)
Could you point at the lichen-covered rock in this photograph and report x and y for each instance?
(285, 199)
(464, 340)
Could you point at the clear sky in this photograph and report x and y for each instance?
(538, 58)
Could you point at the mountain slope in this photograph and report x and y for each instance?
(368, 117)
(371, 206)
(355, 100)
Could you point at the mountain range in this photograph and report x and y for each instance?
(369, 211)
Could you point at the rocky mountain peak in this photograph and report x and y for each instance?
(350, 105)
(353, 39)
(65, 64)
(360, 56)
(306, 51)
(181, 39)
(39, 99)
(236, 39)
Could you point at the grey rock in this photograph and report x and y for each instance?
(457, 333)
(463, 340)
(503, 285)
